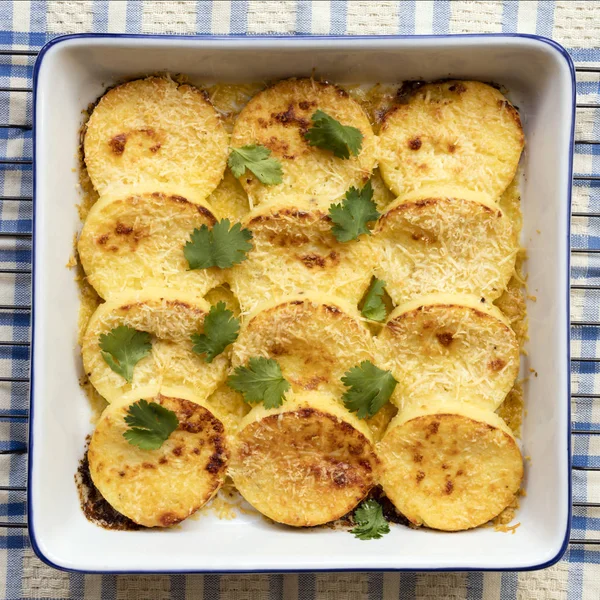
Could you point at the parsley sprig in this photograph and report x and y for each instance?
(329, 134)
(150, 425)
(221, 328)
(261, 381)
(222, 246)
(374, 306)
(123, 347)
(369, 389)
(370, 522)
(350, 218)
(256, 159)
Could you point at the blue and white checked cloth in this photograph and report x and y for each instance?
(28, 25)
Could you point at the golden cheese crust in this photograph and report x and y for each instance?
(171, 316)
(449, 347)
(306, 463)
(462, 133)
(294, 252)
(314, 338)
(159, 488)
(450, 470)
(278, 118)
(154, 130)
(136, 240)
(442, 243)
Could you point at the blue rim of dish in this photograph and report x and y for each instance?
(306, 38)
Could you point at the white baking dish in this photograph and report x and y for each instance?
(73, 71)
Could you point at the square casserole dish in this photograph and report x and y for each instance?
(72, 72)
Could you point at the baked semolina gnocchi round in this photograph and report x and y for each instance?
(159, 488)
(451, 468)
(314, 338)
(155, 130)
(305, 463)
(443, 243)
(170, 316)
(449, 347)
(136, 240)
(279, 117)
(294, 251)
(461, 133)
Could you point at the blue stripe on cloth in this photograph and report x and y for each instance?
(338, 17)
(474, 586)
(203, 16)
(178, 587)
(275, 587)
(77, 585)
(100, 16)
(109, 587)
(134, 16)
(508, 586)
(306, 586)
(376, 586)
(212, 587)
(406, 17)
(303, 17)
(238, 21)
(545, 19)
(510, 15)
(441, 16)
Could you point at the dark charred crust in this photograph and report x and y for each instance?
(206, 214)
(179, 199)
(415, 143)
(432, 429)
(313, 383)
(497, 364)
(312, 260)
(445, 338)
(408, 89)
(417, 457)
(95, 508)
(458, 87)
(155, 148)
(420, 476)
(451, 148)
(178, 450)
(305, 105)
(169, 518)
(162, 460)
(117, 143)
(103, 239)
(148, 465)
(334, 310)
(289, 117)
(296, 302)
(121, 229)
(449, 487)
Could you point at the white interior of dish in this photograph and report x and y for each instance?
(74, 73)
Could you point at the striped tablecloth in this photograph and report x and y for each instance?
(28, 25)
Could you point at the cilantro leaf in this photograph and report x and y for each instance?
(374, 306)
(370, 388)
(256, 159)
(350, 218)
(329, 134)
(150, 424)
(261, 381)
(218, 247)
(123, 347)
(220, 329)
(370, 522)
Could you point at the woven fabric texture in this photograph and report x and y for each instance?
(28, 25)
